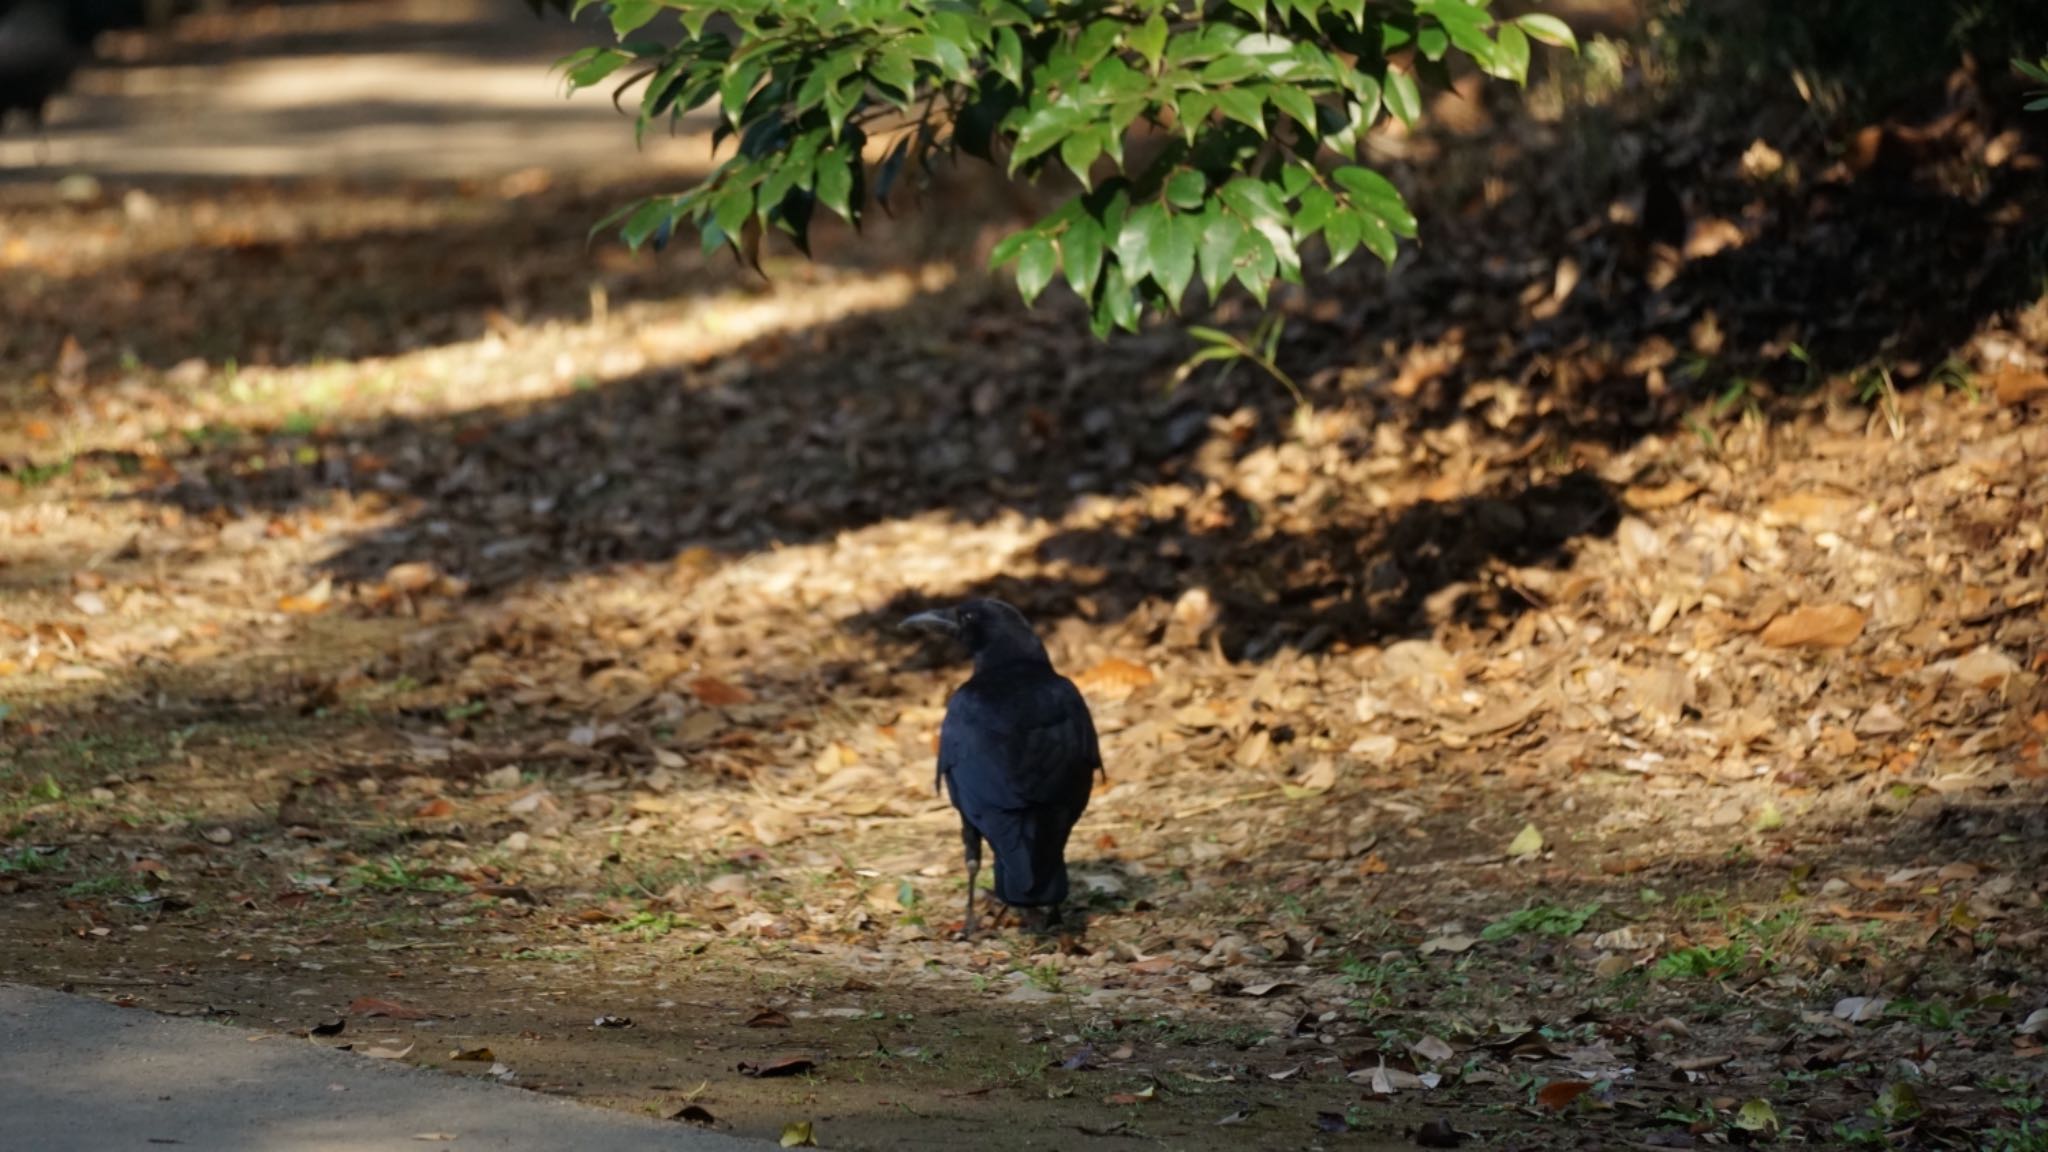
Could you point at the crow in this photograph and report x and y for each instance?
(1018, 755)
(42, 42)
(38, 54)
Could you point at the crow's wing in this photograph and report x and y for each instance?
(1018, 743)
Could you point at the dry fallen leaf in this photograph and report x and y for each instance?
(383, 1053)
(1559, 1094)
(798, 1135)
(1452, 944)
(1818, 626)
(2016, 385)
(718, 693)
(1527, 842)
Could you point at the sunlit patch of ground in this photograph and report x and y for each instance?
(404, 601)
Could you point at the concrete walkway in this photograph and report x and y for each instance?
(427, 89)
(79, 1075)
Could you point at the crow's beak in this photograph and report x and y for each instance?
(940, 621)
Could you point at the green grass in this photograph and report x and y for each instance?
(28, 861)
(1542, 920)
(394, 875)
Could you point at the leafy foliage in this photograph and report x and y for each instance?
(2038, 73)
(1255, 109)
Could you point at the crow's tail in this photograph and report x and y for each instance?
(1030, 851)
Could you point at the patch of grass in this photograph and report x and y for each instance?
(1377, 981)
(1763, 943)
(1935, 1015)
(1700, 963)
(30, 860)
(1542, 920)
(650, 925)
(111, 884)
(394, 875)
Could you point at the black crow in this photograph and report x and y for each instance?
(42, 42)
(38, 54)
(1017, 755)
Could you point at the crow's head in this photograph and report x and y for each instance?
(991, 631)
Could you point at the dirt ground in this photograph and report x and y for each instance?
(1611, 716)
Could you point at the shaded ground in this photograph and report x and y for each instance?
(418, 618)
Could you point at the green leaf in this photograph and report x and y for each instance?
(1173, 254)
(1243, 106)
(1403, 98)
(1079, 153)
(1547, 29)
(1342, 233)
(1433, 43)
(1037, 260)
(732, 208)
(591, 66)
(1377, 195)
(1119, 299)
(1043, 130)
(1081, 252)
(1295, 103)
(1149, 40)
(893, 68)
(835, 183)
(1218, 249)
(1193, 112)
(2040, 105)
(646, 220)
(1187, 189)
(1009, 60)
(1007, 248)
(1255, 8)
(1134, 240)
(629, 16)
(1377, 239)
(1512, 60)
(1318, 204)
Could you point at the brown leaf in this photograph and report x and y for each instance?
(2016, 385)
(1559, 1094)
(484, 1055)
(1115, 675)
(439, 808)
(1663, 496)
(1267, 989)
(1818, 626)
(718, 693)
(694, 1114)
(768, 1018)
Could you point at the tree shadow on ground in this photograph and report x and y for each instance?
(1476, 345)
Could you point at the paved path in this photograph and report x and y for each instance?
(79, 1075)
(433, 89)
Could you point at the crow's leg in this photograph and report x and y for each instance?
(972, 839)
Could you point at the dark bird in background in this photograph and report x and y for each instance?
(1018, 755)
(43, 42)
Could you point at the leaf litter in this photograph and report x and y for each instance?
(543, 672)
